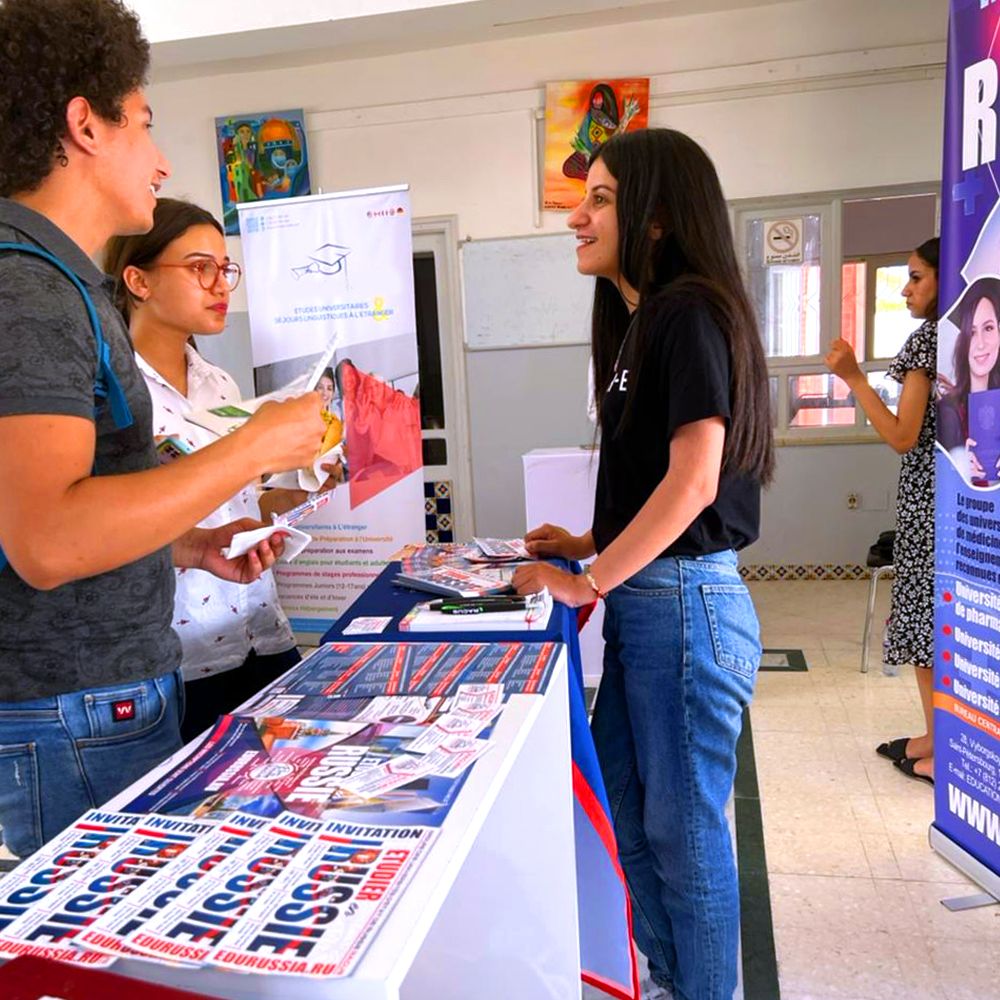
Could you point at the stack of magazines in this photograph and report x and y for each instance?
(462, 570)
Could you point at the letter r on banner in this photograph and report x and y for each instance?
(979, 120)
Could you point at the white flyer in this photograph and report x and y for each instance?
(317, 916)
(243, 541)
(108, 932)
(454, 755)
(57, 921)
(194, 924)
(35, 877)
(367, 625)
(478, 698)
(412, 709)
(374, 781)
(444, 727)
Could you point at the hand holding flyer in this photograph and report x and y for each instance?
(295, 540)
(263, 411)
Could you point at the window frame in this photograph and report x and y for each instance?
(829, 206)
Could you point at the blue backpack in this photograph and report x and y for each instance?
(107, 389)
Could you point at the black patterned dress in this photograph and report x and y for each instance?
(911, 622)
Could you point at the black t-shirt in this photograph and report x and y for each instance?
(685, 378)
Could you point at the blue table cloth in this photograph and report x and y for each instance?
(606, 955)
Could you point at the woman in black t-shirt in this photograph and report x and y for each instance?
(682, 397)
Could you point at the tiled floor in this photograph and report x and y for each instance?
(855, 889)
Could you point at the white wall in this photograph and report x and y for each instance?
(805, 517)
(797, 97)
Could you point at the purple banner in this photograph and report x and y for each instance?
(967, 571)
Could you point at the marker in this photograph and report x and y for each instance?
(478, 609)
(505, 601)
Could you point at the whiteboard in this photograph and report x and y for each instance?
(525, 291)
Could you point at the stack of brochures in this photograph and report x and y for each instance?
(462, 569)
(484, 614)
(453, 581)
(500, 550)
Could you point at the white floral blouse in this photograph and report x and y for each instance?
(218, 622)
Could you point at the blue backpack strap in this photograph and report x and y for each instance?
(107, 389)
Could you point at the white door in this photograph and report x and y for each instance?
(443, 403)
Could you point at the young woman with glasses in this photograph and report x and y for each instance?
(173, 282)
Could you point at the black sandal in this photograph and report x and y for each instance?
(894, 750)
(908, 766)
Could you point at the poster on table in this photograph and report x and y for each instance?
(341, 265)
(967, 580)
(580, 116)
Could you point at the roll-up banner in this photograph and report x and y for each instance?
(966, 826)
(341, 265)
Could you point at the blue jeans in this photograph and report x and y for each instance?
(682, 650)
(62, 755)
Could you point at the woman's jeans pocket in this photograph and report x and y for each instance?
(732, 624)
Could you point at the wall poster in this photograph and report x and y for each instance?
(262, 156)
(580, 116)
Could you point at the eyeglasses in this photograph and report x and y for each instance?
(208, 272)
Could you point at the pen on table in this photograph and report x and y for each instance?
(475, 609)
(485, 601)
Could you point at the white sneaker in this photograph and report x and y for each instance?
(648, 990)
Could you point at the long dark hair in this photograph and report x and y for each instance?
(172, 218)
(981, 288)
(666, 181)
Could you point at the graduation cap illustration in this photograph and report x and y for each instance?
(329, 259)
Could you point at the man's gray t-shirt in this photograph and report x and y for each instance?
(105, 629)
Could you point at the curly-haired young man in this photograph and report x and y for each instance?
(90, 695)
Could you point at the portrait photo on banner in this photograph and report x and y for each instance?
(262, 156)
(580, 116)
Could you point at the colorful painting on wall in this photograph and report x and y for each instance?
(261, 157)
(580, 116)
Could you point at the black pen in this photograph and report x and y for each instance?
(487, 599)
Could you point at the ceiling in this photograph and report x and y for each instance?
(188, 35)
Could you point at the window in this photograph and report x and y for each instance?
(827, 267)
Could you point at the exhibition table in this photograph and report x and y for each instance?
(607, 959)
(490, 911)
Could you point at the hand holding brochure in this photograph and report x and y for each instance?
(295, 540)
(223, 420)
(242, 542)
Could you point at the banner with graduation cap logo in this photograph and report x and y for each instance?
(341, 265)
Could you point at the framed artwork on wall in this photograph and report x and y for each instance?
(580, 116)
(262, 156)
